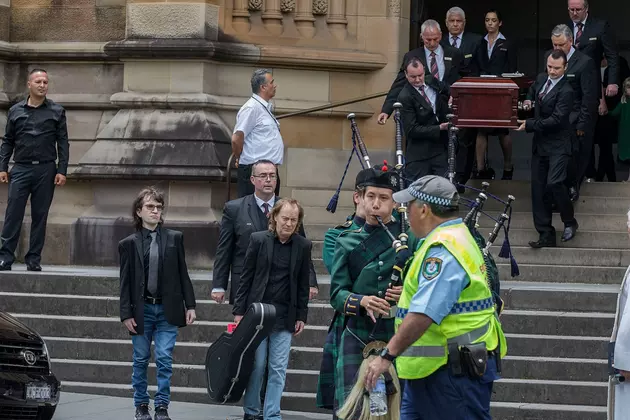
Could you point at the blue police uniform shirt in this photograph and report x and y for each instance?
(441, 280)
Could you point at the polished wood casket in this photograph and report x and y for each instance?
(491, 102)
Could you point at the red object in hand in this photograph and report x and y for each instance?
(231, 327)
(384, 168)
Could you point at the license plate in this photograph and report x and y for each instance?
(36, 392)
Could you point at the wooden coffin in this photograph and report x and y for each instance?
(485, 102)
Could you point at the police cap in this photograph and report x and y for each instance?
(431, 189)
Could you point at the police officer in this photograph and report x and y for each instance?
(36, 135)
(360, 288)
(353, 221)
(448, 342)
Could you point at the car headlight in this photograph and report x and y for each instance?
(46, 354)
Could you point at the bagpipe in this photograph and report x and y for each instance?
(471, 220)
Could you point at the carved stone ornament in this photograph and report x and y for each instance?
(287, 6)
(393, 7)
(320, 7)
(255, 4)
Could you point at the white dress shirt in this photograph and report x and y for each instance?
(261, 131)
(571, 51)
(431, 94)
(458, 43)
(491, 47)
(554, 82)
(439, 58)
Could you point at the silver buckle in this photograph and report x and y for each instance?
(35, 162)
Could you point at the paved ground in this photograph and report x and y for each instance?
(97, 407)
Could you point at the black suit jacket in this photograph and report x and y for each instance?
(241, 218)
(453, 60)
(468, 45)
(177, 290)
(597, 41)
(255, 275)
(551, 126)
(503, 59)
(422, 126)
(624, 72)
(584, 80)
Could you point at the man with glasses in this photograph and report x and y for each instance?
(241, 218)
(156, 297)
(257, 132)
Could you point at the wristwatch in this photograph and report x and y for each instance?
(385, 354)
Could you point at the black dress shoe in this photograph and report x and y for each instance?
(542, 243)
(5, 266)
(161, 413)
(574, 194)
(507, 175)
(569, 232)
(142, 412)
(33, 267)
(252, 417)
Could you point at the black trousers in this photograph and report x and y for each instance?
(466, 154)
(244, 183)
(437, 165)
(38, 182)
(549, 175)
(605, 136)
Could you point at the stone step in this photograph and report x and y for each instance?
(560, 296)
(551, 392)
(305, 381)
(119, 350)
(514, 322)
(305, 402)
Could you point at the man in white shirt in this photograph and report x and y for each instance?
(257, 132)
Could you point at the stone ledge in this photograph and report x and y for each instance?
(267, 55)
(136, 100)
(80, 51)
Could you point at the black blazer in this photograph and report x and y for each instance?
(585, 82)
(422, 129)
(624, 72)
(255, 275)
(468, 45)
(503, 58)
(177, 289)
(453, 60)
(551, 126)
(597, 41)
(241, 218)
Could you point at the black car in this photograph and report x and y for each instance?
(28, 388)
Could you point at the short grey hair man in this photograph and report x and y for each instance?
(562, 30)
(259, 78)
(430, 24)
(456, 11)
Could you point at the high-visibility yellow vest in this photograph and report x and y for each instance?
(471, 320)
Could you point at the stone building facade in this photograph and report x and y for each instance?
(152, 89)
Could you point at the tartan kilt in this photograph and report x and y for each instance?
(343, 355)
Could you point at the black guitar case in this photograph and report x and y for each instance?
(230, 359)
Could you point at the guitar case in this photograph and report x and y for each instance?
(230, 359)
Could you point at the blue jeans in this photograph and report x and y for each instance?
(278, 345)
(156, 328)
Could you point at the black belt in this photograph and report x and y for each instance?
(152, 300)
(34, 162)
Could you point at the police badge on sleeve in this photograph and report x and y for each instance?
(431, 268)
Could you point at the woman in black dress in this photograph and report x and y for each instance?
(495, 56)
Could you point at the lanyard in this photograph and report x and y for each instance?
(268, 112)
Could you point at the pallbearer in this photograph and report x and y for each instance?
(360, 288)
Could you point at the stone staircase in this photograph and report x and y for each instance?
(558, 318)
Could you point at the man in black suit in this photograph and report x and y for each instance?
(275, 271)
(584, 80)
(423, 114)
(443, 63)
(551, 149)
(595, 38)
(467, 43)
(156, 297)
(241, 218)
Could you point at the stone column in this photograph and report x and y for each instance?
(304, 20)
(5, 19)
(337, 22)
(240, 16)
(272, 17)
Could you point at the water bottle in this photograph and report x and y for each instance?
(378, 398)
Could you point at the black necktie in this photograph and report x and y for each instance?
(454, 44)
(153, 265)
(266, 209)
(544, 92)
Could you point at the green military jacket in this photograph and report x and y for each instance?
(330, 238)
(362, 265)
